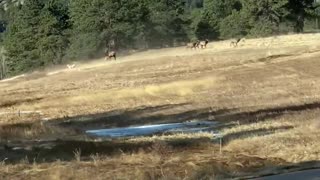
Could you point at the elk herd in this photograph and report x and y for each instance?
(203, 44)
(198, 44)
(109, 55)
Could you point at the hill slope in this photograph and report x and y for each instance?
(266, 91)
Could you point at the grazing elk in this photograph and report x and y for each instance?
(203, 44)
(193, 45)
(197, 44)
(110, 45)
(235, 42)
(71, 66)
(111, 54)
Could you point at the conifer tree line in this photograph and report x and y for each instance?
(39, 33)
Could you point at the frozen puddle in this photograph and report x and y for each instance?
(186, 127)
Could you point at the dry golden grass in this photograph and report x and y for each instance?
(175, 137)
(265, 94)
(162, 163)
(179, 88)
(295, 145)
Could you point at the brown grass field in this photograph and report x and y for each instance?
(265, 95)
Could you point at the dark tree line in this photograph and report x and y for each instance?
(40, 33)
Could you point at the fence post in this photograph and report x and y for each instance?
(220, 143)
(220, 138)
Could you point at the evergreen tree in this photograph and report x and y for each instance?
(52, 31)
(39, 33)
(193, 4)
(22, 37)
(98, 22)
(88, 20)
(299, 11)
(166, 23)
(213, 14)
(235, 25)
(35, 35)
(265, 16)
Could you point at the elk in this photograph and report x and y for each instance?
(71, 66)
(203, 44)
(235, 42)
(190, 45)
(110, 44)
(197, 44)
(111, 54)
(193, 45)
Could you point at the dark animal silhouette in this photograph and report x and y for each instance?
(192, 45)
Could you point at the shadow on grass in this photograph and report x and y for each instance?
(254, 133)
(253, 167)
(10, 103)
(140, 116)
(64, 149)
(176, 113)
(304, 170)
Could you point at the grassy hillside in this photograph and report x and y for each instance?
(265, 95)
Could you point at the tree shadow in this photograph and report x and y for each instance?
(176, 113)
(15, 102)
(65, 150)
(171, 113)
(139, 116)
(249, 117)
(254, 133)
(303, 170)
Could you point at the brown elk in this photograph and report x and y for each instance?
(71, 66)
(197, 44)
(235, 42)
(203, 44)
(111, 54)
(110, 45)
(193, 45)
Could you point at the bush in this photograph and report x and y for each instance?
(262, 28)
(234, 25)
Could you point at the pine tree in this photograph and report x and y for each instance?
(207, 23)
(22, 37)
(166, 23)
(299, 10)
(35, 34)
(98, 22)
(265, 16)
(54, 24)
